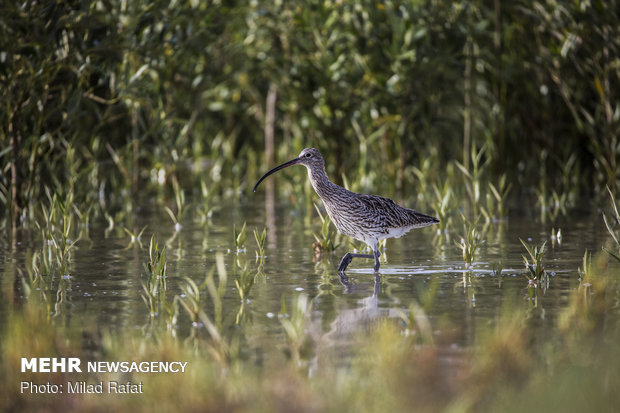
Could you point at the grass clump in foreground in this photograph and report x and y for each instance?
(508, 369)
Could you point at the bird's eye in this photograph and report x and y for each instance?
(308, 155)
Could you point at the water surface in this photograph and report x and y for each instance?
(103, 289)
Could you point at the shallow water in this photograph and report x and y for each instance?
(103, 288)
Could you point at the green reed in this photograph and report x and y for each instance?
(614, 235)
(328, 238)
(470, 242)
(260, 238)
(57, 231)
(205, 210)
(179, 198)
(422, 174)
(196, 297)
(191, 300)
(239, 237)
(496, 271)
(124, 122)
(473, 177)
(497, 198)
(536, 275)
(585, 270)
(443, 205)
(154, 288)
(244, 281)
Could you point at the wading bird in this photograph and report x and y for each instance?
(367, 218)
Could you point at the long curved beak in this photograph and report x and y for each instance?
(276, 169)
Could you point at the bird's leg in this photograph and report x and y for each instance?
(376, 257)
(348, 257)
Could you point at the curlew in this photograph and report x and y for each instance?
(367, 218)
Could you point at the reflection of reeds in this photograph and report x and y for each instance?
(135, 237)
(293, 323)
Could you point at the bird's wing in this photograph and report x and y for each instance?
(383, 212)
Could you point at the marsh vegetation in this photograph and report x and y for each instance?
(132, 133)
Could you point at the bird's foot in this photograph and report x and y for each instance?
(344, 263)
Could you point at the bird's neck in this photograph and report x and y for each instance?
(321, 183)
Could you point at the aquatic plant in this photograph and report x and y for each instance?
(551, 205)
(492, 374)
(536, 274)
(589, 305)
(205, 209)
(443, 205)
(473, 177)
(585, 271)
(154, 289)
(217, 292)
(122, 119)
(496, 271)
(57, 233)
(260, 238)
(239, 238)
(191, 297)
(244, 281)
(422, 175)
(328, 238)
(83, 216)
(469, 242)
(179, 198)
(498, 197)
(220, 346)
(616, 216)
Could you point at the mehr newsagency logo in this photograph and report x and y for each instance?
(74, 365)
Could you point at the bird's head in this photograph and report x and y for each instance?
(310, 158)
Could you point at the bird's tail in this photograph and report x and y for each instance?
(422, 220)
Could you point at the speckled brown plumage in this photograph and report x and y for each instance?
(367, 218)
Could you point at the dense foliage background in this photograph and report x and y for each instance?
(112, 108)
(111, 95)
